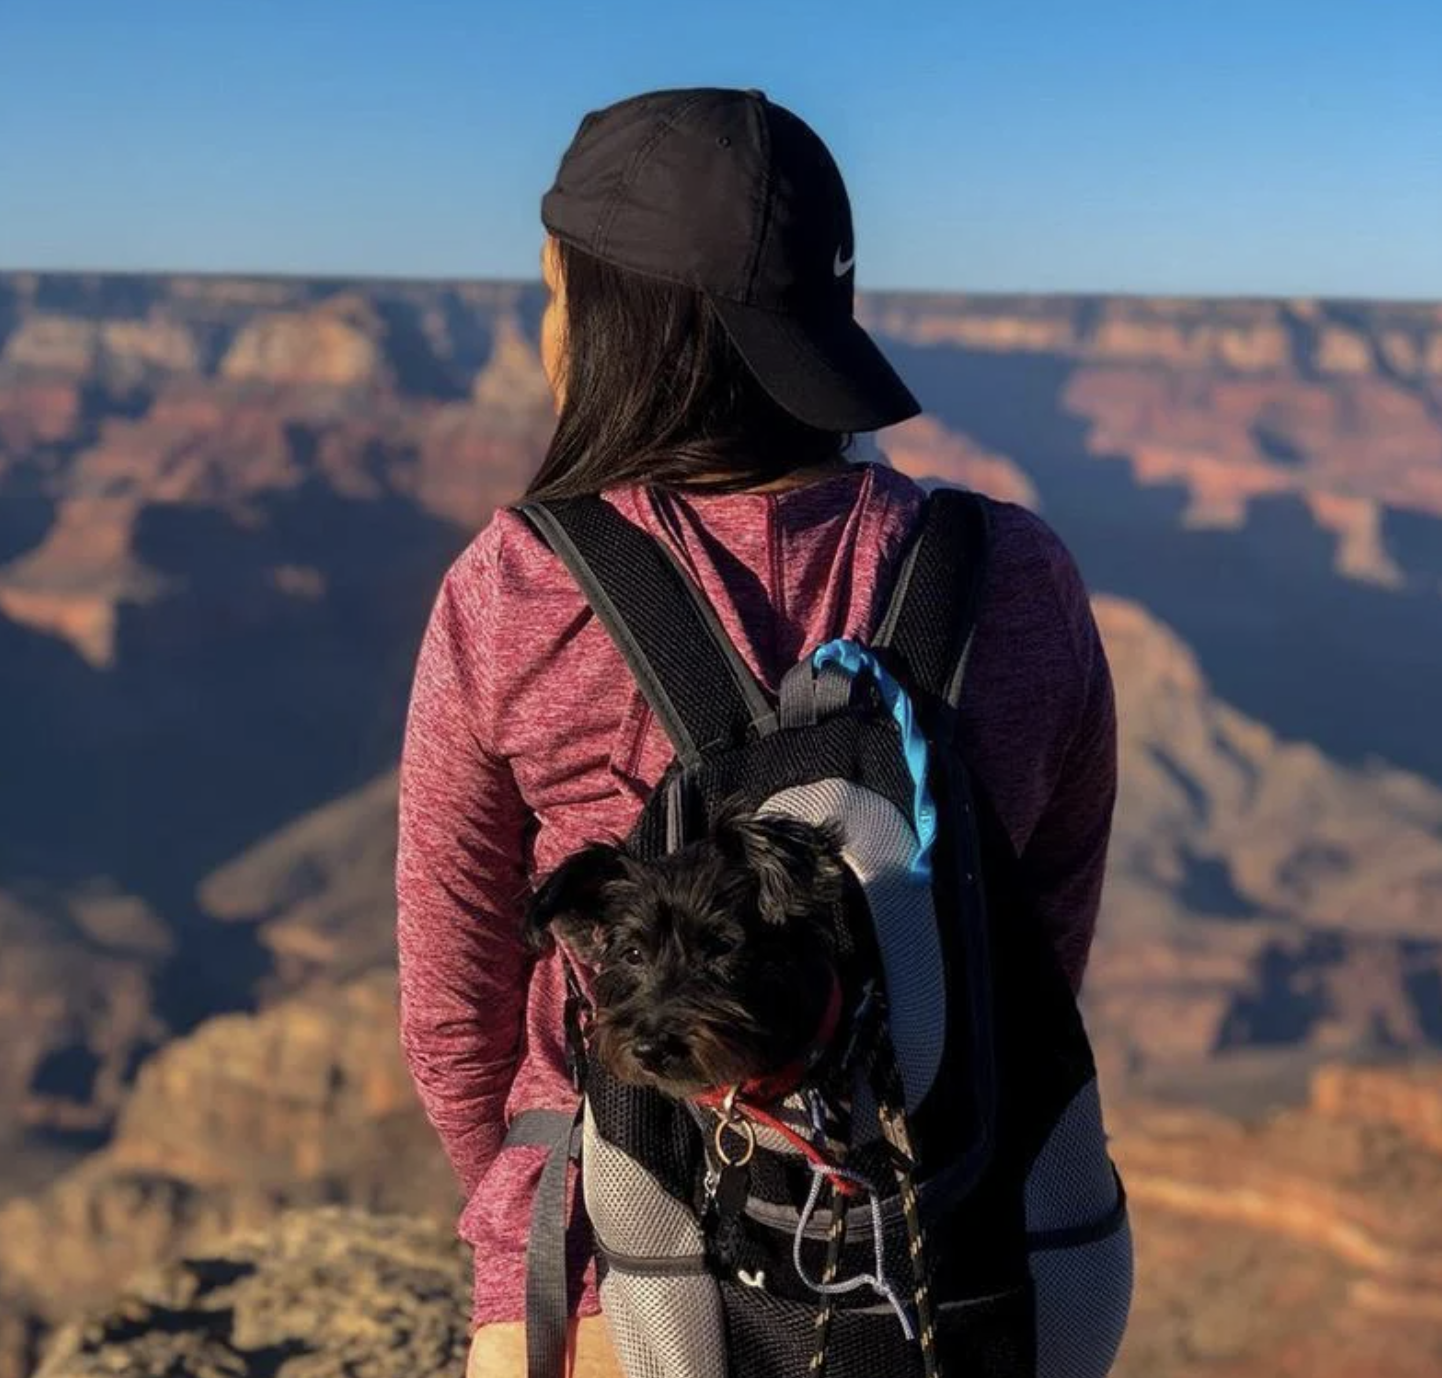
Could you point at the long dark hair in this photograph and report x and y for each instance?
(656, 394)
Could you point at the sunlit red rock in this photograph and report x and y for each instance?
(333, 345)
(928, 451)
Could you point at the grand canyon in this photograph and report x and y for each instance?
(225, 505)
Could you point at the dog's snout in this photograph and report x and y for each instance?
(657, 1052)
(647, 1051)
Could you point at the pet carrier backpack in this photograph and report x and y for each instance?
(972, 1222)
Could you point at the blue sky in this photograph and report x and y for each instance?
(1178, 146)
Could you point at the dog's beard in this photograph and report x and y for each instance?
(713, 1044)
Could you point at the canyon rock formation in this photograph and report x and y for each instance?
(225, 505)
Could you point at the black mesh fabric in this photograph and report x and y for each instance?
(939, 601)
(767, 1250)
(1043, 1054)
(861, 747)
(992, 1337)
(651, 1129)
(768, 1338)
(692, 677)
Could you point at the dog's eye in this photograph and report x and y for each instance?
(718, 945)
(632, 956)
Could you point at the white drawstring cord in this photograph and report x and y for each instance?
(877, 1280)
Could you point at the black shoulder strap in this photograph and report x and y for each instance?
(692, 676)
(928, 626)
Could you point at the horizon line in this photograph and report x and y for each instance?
(453, 280)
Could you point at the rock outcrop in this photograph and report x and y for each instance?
(37, 416)
(1338, 404)
(512, 385)
(927, 451)
(337, 344)
(309, 1091)
(1234, 336)
(1344, 443)
(123, 353)
(322, 890)
(1258, 894)
(76, 1010)
(305, 401)
(1407, 1099)
(1309, 1243)
(305, 1103)
(1291, 834)
(315, 1294)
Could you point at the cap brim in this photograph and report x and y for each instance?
(830, 374)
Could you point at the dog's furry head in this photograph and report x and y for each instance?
(713, 964)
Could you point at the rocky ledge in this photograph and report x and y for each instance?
(318, 1294)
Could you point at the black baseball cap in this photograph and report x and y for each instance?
(727, 192)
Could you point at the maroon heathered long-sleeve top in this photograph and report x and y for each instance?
(526, 738)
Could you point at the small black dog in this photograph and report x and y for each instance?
(713, 965)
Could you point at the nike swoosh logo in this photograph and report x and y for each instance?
(842, 266)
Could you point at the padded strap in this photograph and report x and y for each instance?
(547, 1303)
(544, 1129)
(692, 676)
(929, 624)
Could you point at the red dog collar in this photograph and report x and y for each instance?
(748, 1101)
(777, 1085)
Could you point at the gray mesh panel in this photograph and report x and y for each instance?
(662, 1327)
(878, 847)
(1083, 1299)
(665, 1327)
(629, 1211)
(1083, 1294)
(1071, 1182)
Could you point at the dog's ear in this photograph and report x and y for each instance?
(797, 865)
(572, 899)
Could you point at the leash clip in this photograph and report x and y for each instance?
(728, 1117)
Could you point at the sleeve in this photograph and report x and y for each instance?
(460, 880)
(1064, 860)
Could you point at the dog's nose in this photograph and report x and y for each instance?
(655, 1053)
(649, 1053)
